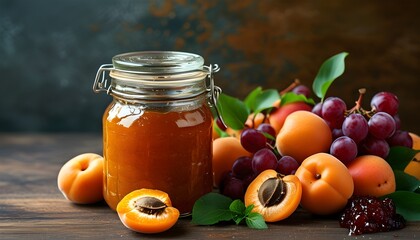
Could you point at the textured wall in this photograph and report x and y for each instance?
(50, 50)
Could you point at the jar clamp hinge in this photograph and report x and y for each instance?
(214, 90)
(100, 84)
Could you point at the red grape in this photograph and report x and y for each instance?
(233, 188)
(253, 140)
(344, 148)
(385, 102)
(356, 127)
(397, 122)
(242, 167)
(287, 165)
(381, 125)
(333, 110)
(337, 132)
(268, 129)
(400, 138)
(302, 89)
(374, 146)
(264, 159)
(317, 109)
(220, 124)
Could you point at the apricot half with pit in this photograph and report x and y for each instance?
(147, 211)
(273, 195)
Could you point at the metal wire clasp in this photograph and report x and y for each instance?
(214, 90)
(100, 84)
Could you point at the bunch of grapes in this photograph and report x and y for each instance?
(360, 132)
(259, 142)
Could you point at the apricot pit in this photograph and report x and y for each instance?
(273, 195)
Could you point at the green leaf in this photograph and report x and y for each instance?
(259, 100)
(249, 209)
(399, 157)
(265, 100)
(291, 97)
(250, 99)
(211, 209)
(407, 203)
(406, 182)
(256, 221)
(331, 69)
(237, 206)
(234, 112)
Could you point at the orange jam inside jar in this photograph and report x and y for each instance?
(157, 131)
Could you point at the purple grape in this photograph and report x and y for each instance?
(400, 138)
(397, 122)
(264, 159)
(317, 109)
(253, 140)
(233, 188)
(268, 129)
(344, 148)
(287, 165)
(248, 179)
(333, 110)
(242, 167)
(337, 132)
(220, 124)
(381, 125)
(302, 89)
(356, 127)
(385, 102)
(374, 146)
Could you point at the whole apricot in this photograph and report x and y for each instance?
(302, 135)
(279, 115)
(225, 151)
(326, 184)
(273, 195)
(147, 211)
(372, 176)
(413, 168)
(80, 179)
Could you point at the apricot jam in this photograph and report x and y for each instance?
(157, 131)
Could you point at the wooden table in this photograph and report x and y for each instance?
(32, 207)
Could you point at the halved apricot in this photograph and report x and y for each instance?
(147, 211)
(273, 195)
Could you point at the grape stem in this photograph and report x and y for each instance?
(358, 107)
(294, 84)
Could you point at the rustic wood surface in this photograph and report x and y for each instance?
(31, 206)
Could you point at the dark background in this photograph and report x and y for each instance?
(50, 50)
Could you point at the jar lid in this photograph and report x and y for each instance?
(158, 62)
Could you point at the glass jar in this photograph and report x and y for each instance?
(157, 131)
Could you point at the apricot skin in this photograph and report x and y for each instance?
(278, 116)
(80, 179)
(225, 151)
(413, 168)
(326, 184)
(303, 134)
(372, 176)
